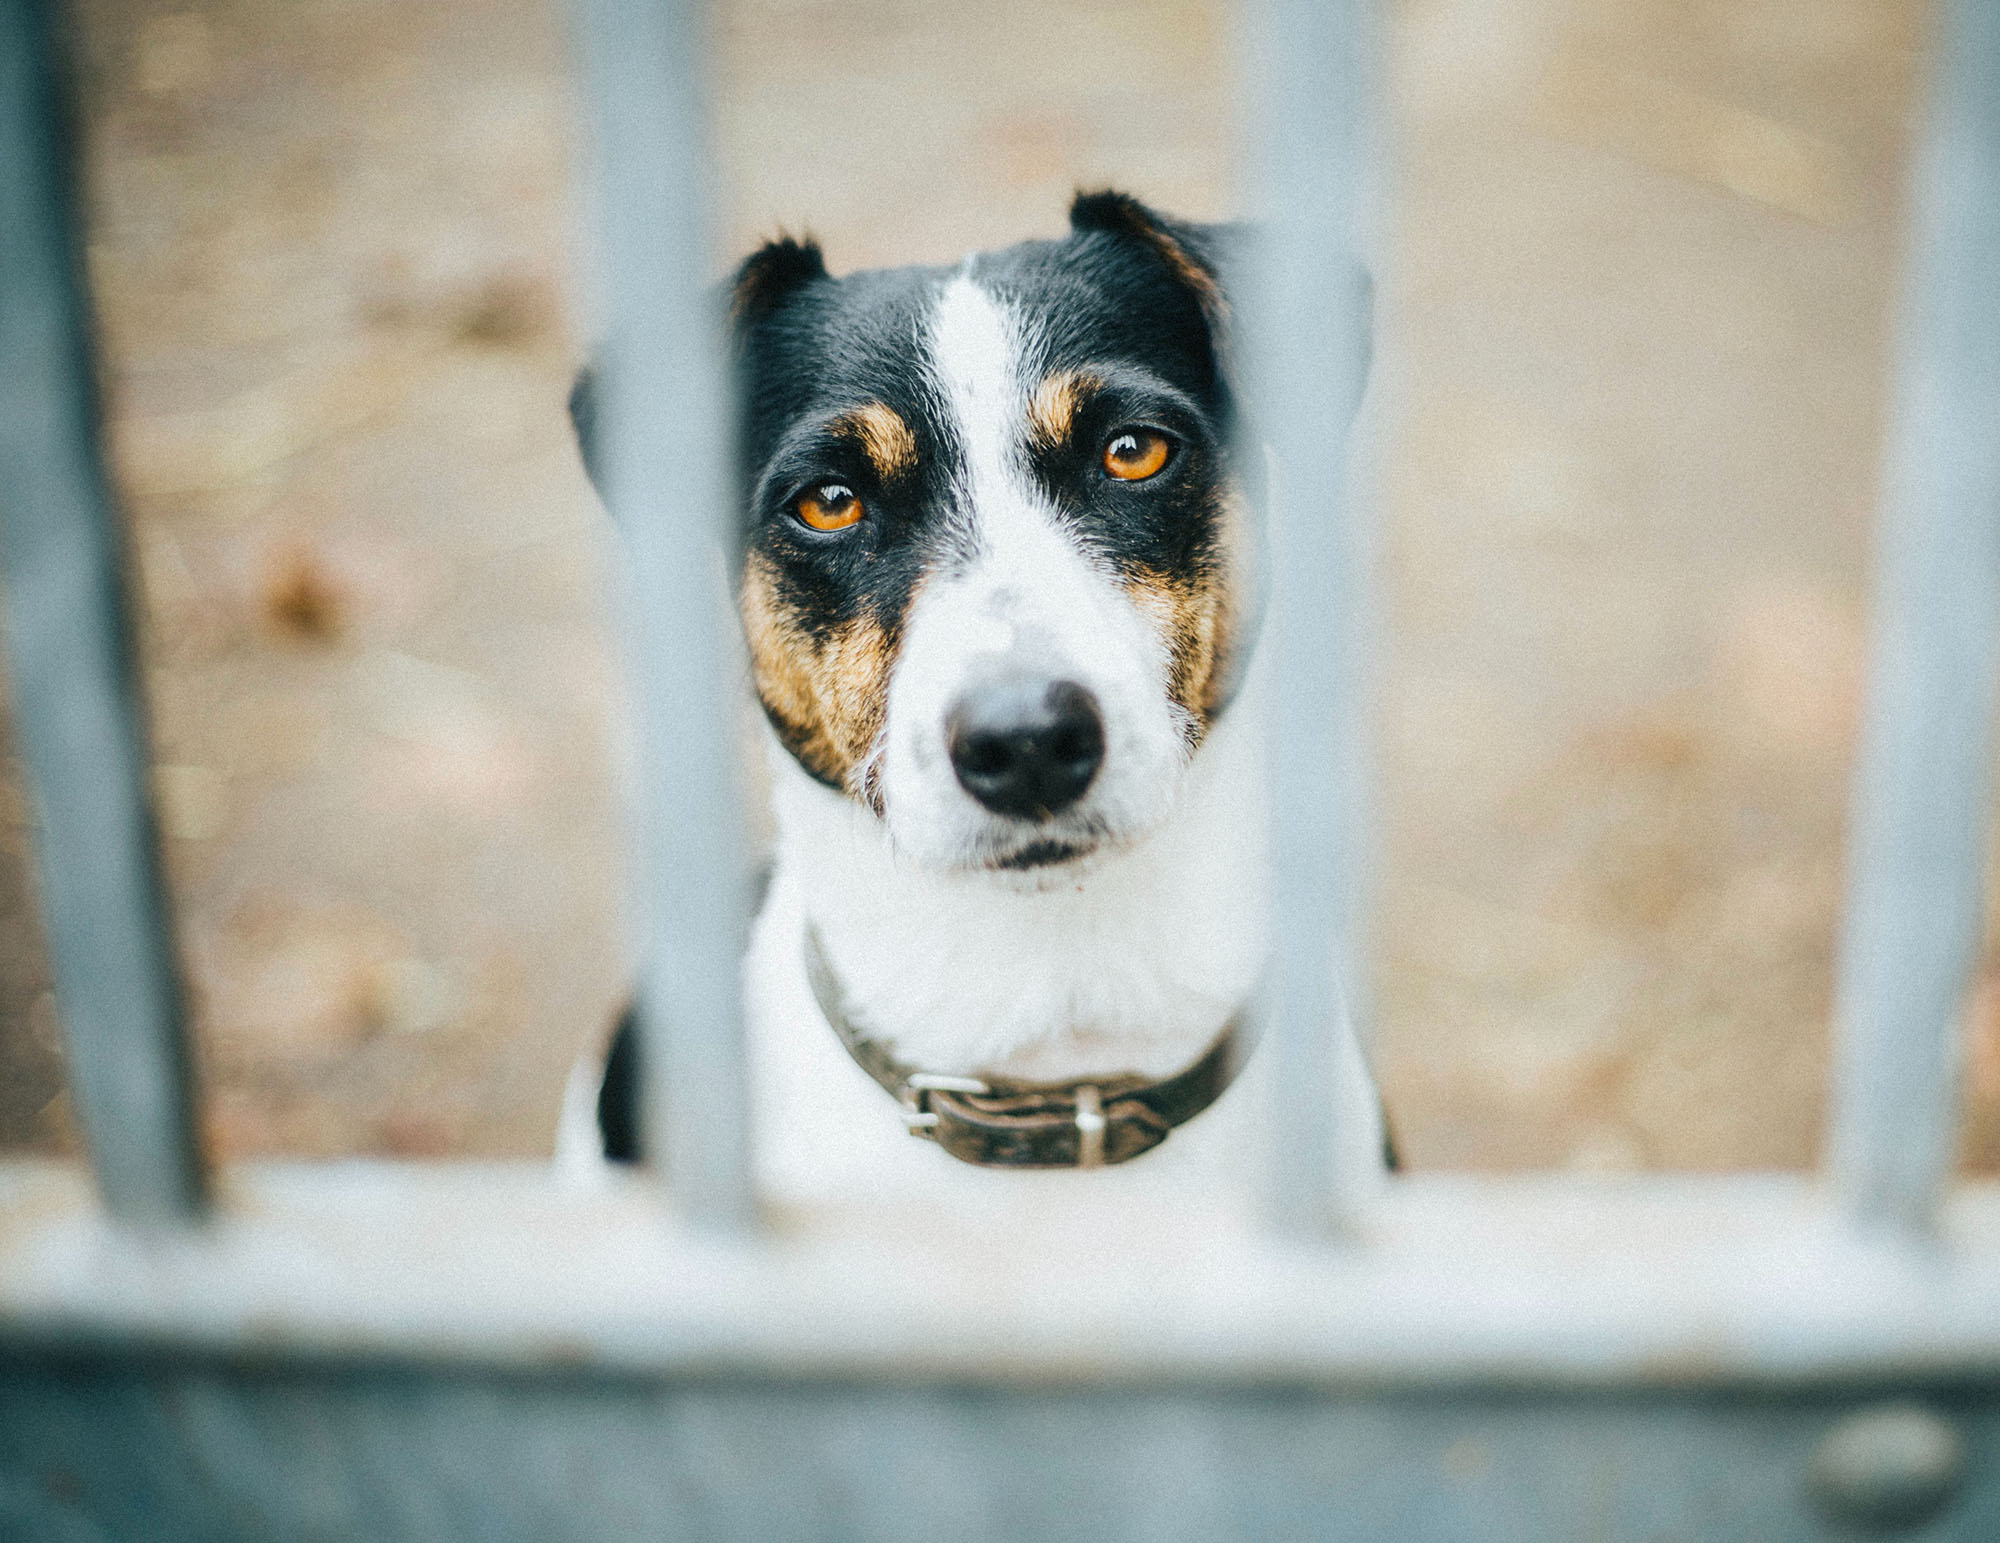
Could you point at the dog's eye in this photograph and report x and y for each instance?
(830, 506)
(1133, 455)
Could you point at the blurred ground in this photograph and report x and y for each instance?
(1635, 275)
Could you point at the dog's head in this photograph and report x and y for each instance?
(995, 571)
(994, 578)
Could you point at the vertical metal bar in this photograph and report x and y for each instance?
(1309, 85)
(662, 426)
(1923, 787)
(71, 664)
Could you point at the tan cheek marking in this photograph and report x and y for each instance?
(1190, 619)
(1053, 408)
(853, 676)
(828, 695)
(1237, 602)
(778, 666)
(885, 438)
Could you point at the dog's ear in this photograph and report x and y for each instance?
(1198, 257)
(760, 284)
(771, 275)
(1208, 259)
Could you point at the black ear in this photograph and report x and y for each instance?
(1196, 255)
(771, 275)
(618, 1093)
(1206, 258)
(761, 283)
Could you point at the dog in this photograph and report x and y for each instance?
(1001, 586)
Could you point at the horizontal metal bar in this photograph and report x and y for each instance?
(1924, 786)
(177, 1453)
(1309, 83)
(661, 430)
(70, 662)
(1652, 1281)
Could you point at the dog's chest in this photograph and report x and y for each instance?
(829, 1137)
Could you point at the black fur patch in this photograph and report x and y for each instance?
(1130, 300)
(824, 351)
(583, 418)
(618, 1094)
(1194, 255)
(769, 274)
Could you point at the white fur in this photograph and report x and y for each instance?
(1025, 600)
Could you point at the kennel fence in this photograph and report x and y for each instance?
(470, 1350)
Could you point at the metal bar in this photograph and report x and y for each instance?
(1305, 61)
(661, 429)
(72, 669)
(1656, 1280)
(195, 1452)
(1923, 787)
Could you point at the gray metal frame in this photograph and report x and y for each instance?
(1923, 793)
(668, 489)
(1309, 340)
(77, 708)
(390, 1351)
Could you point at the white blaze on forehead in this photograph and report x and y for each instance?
(1024, 596)
(1026, 574)
(975, 351)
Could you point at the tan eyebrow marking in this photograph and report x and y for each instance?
(890, 446)
(1053, 407)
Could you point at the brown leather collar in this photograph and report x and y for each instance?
(1034, 1124)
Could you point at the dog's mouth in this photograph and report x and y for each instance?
(1044, 847)
(1043, 854)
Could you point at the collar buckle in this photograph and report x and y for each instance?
(914, 1091)
(1089, 1127)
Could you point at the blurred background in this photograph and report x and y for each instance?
(1637, 267)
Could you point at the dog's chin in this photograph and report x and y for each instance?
(1022, 854)
(1044, 862)
(1044, 853)
(1018, 855)
(1050, 855)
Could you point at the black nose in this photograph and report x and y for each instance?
(1027, 748)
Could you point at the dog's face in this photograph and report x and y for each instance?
(994, 579)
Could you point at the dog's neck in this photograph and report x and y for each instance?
(1131, 960)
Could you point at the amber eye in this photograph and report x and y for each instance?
(1133, 455)
(830, 506)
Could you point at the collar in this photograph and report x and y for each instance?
(1009, 1124)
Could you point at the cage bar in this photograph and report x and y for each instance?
(1923, 785)
(1306, 68)
(72, 670)
(661, 428)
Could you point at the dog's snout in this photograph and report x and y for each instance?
(1026, 748)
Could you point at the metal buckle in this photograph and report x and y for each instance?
(1089, 1128)
(914, 1096)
